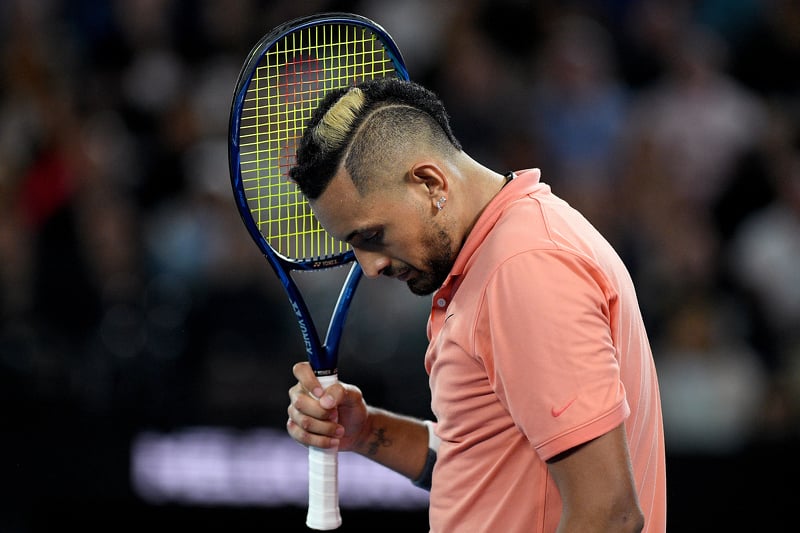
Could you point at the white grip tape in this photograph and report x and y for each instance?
(323, 481)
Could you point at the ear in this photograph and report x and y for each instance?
(431, 178)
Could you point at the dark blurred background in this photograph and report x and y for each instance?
(132, 301)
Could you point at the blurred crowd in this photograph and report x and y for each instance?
(130, 291)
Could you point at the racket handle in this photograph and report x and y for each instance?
(323, 482)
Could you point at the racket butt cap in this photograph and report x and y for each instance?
(326, 522)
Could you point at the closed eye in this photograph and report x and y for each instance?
(368, 239)
(373, 237)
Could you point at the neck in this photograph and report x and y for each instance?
(478, 187)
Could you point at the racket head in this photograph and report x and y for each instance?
(286, 75)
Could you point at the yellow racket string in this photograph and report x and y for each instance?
(290, 81)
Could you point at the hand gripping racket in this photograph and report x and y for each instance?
(284, 78)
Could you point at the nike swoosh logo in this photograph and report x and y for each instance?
(558, 412)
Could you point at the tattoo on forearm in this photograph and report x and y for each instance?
(380, 440)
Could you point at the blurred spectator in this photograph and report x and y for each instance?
(483, 86)
(421, 25)
(764, 254)
(697, 120)
(578, 108)
(713, 385)
(688, 131)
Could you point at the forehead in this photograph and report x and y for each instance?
(340, 208)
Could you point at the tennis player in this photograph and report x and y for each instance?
(542, 380)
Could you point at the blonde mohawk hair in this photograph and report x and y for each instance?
(332, 131)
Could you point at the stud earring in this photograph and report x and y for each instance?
(440, 203)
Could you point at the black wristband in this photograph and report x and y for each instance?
(426, 477)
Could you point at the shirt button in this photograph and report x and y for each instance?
(441, 302)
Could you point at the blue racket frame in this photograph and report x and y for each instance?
(323, 357)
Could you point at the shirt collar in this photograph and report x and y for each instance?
(524, 182)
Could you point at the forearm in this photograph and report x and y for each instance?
(395, 441)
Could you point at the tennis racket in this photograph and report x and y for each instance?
(284, 78)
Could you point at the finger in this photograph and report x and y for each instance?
(309, 439)
(308, 406)
(324, 408)
(313, 432)
(305, 375)
(314, 426)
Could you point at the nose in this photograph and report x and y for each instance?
(372, 263)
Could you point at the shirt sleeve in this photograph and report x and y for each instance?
(548, 349)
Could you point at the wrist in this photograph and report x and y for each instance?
(425, 478)
(398, 442)
(364, 442)
(433, 440)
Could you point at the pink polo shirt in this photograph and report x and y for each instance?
(536, 345)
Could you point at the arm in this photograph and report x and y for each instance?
(596, 484)
(340, 416)
(395, 441)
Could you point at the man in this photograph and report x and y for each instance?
(542, 381)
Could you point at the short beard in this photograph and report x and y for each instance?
(439, 264)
